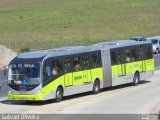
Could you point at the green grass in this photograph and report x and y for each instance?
(57, 23)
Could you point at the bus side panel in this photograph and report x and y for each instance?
(51, 87)
(115, 72)
(78, 78)
(97, 73)
(149, 65)
(134, 66)
(87, 76)
(68, 79)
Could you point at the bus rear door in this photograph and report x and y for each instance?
(142, 56)
(86, 71)
(68, 74)
(121, 63)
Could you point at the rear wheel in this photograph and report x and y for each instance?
(136, 79)
(59, 94)
(96, 87)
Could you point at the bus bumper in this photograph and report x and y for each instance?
(16, 97)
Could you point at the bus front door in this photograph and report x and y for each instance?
(121, 63)
(87, 76)
(68, 79)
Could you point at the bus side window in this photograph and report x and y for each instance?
(56, 67)
(128, 55)
(85, 62)
(48, 71)
(148, 52)
(120, 57)
(140, 53)
(67, 65)
(76, 63)
(134, 56)
(95, 60)
(113, 58)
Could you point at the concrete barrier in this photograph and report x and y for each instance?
(6, 55)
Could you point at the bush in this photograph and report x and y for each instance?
(25, 49)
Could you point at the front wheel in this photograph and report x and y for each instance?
(96, 87)
(59, 94)
(136, 79)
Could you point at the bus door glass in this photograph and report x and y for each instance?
(77, 71)
(86, 71)
(121, 63)
(68, 81)
(149, 63)
(141, 57)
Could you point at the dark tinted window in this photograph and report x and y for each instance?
(154, 41)
(48, 71)
(67, 65)
(140, 53)
(113, 58)
(128, 56)
(149, 53)
(134, 55)
(120, 56)
(76, 64)
(56, 67)
(95, 60)
(85, 62)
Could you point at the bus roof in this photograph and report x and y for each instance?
(118, 43)
(44, 54)
(56, 52)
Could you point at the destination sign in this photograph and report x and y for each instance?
(22, 65)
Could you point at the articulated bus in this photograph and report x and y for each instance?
(55, 73)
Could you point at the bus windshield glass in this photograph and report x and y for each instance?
(24, 74)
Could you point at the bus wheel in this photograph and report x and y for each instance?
(59, 94)
(96, 87)
(136, 79)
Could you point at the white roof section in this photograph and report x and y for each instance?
(156, 37)
(119, 43)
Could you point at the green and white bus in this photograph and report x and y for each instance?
(55, 73)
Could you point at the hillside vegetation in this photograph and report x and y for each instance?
(39, 24)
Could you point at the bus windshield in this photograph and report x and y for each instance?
(24, 74)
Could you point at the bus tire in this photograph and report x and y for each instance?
(59, 94)
(96, 87)
(136, 79)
